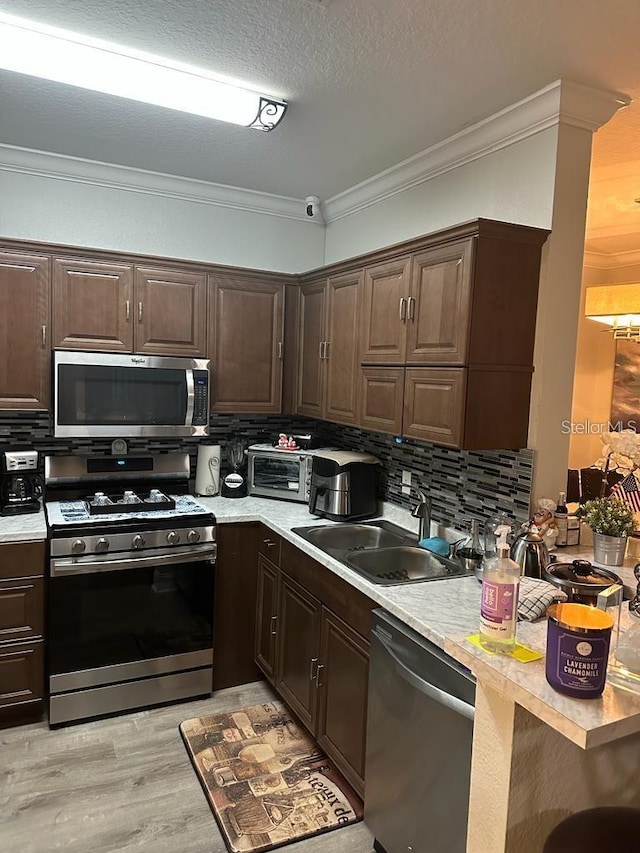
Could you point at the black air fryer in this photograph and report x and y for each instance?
(343, 485)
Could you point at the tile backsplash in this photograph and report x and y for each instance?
(462, 484)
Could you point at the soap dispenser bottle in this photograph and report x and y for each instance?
(499, 608)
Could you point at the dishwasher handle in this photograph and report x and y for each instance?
(430, 690)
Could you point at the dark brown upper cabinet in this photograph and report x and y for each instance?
(328, 348)
(92, 305)
(116, 308)
(25, 350)
(246, 334)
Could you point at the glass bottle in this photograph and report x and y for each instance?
(562, 521)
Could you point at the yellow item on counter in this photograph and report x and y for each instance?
(521, 653)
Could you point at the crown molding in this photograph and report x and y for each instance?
(77, 170)
(562, 102)
(613, 260)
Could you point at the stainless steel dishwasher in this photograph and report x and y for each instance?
(419, 733)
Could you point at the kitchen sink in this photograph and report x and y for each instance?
(381, 552)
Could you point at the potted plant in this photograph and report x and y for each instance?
(611, 521)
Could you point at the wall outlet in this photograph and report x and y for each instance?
(406, 482)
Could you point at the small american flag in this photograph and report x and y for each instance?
(628, 490)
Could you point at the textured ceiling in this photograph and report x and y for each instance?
(370, 82)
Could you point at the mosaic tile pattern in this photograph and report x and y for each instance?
(463, 484)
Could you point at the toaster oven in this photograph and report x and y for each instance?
(283, 474)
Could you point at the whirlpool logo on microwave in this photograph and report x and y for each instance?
(138, 360)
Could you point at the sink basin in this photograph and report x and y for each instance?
(346, 537)
(403, 564)
(381, 552)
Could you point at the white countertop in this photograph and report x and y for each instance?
(447, 611)
(31, 527)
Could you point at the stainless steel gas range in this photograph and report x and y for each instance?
(131, 580)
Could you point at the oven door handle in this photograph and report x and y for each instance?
(60, 568)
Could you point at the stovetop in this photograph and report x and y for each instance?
(76, 512)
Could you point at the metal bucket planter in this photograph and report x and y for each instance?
(609, 550)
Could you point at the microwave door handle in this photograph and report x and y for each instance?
(190, 399)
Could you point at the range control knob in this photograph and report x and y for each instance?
(138, 542)
(78, 546)
(193, 536)
(173, 538)
(102, 544)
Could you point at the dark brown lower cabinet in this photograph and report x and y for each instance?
(311, 630)
(21, 632)
(235, 605)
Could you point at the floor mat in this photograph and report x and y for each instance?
(267, 782)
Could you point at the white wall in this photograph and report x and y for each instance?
(35, 207)
(514, 184)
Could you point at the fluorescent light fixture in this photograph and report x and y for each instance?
(617, 306)
(54, 54)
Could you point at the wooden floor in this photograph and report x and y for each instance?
(123, 784)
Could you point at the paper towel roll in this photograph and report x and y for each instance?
(208, 470)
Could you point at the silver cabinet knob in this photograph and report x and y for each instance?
(173, 538)
(102, 544)
(138, 541)
(193, 536)
(78, 546)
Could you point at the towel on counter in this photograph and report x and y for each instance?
(535, 597)
(436, 545)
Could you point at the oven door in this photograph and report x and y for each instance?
(278, 475)
(107, 395)
(129, 631)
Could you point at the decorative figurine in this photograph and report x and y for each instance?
(543, 522)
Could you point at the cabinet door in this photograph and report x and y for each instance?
(25, 353)
(341, 351)
(234, 621)
(434, 401)
(266, 617)
(310, 396)
(170, 312)
(382, 396)
(298, 650)
(92, 305)
(246, 352)
(343, 679)
(21, 608)
(385, 312)
(21, 673)
(439, 307)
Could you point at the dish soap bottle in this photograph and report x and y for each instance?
(499, 608)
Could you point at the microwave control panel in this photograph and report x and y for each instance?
(200, 397)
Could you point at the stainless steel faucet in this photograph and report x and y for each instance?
(422, 511)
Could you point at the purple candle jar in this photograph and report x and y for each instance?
(578, 640)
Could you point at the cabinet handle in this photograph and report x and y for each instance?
(268, 543)
(313, 665)
(139, 312)
(280, 349)
(44, 336)
(319, 675)
(274, 625)
(321, 352)
(403, 309)
(412, 307)
(127, 309)
(327, 344)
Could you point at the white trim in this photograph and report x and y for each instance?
(77, 170)
(560, 102)
(606, 261)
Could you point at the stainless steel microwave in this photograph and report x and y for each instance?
(284, 474)
(104, 395)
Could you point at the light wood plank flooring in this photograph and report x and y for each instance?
(123, 784)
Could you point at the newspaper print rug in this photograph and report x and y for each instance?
(266, 781)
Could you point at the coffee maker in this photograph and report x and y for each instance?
(343, 485)
(20, 483)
